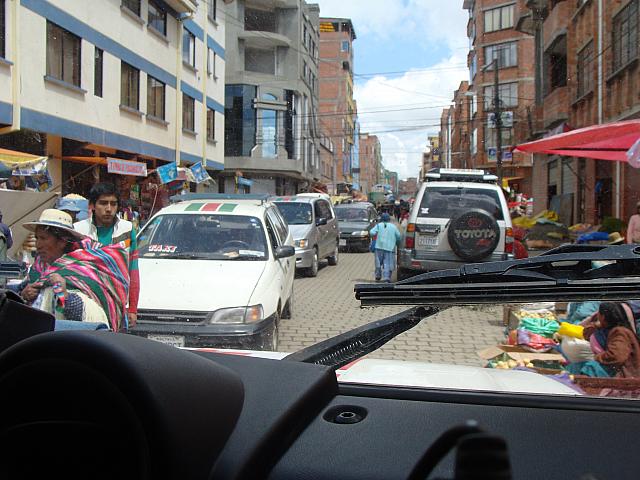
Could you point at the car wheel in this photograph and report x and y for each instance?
(287, 311)
(333, 259)
(312, 271)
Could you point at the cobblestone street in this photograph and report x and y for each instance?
(326, 306)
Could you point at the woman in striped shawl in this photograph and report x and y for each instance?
(75, 278)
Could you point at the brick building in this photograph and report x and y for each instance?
(444, 138)
(408, 188)
(436, 155)
(492, 36)
(336, 104)
(583, 79)
(460, 128)
(370, 161)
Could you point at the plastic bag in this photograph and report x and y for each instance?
(576, 350)
(540, 326)
(533, 342)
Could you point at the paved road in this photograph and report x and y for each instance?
(326, 306)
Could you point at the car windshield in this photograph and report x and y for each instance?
(234, 158)
(358, 215)
(450, 202)
(219, 237)
(296, 213)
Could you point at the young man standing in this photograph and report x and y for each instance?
(105, 227)
(387, 238)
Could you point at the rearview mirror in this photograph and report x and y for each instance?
(285, 251)
(321, 221)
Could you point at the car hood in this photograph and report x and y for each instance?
(348, 227)
(196, 285)
(416, 374)
(299, 231)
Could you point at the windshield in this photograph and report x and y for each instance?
(166, 130)
(296, 213)
(215, 237)
(352, 214)
(449, 202)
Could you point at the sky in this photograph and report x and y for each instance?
(410, 56)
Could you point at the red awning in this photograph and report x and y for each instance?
(609, 141)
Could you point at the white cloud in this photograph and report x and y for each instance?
(419, 97)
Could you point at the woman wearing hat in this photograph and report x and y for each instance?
(74, 278)
(633, 230)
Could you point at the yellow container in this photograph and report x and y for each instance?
(571, 330)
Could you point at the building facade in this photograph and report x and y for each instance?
(461, 153)
(272, 138)
(444, 138)
(147, 89)
(493, 37)
(337, 106)
(435, 150)
(370, 161)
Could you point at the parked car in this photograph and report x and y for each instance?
(356, 220)
(459, 216)
(314, 227)
(215, 270)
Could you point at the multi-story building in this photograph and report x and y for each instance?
(390, 178)
(370, 161)
(327, 161)
(461, 153)
(408, 188)
(444, 138)
(434, 141)
(271, 101)
(494, 39)
(135, 80)
(337, 106)
(587, 73)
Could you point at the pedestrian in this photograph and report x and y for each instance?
(387, 237)
(105, 227)
(5, 231)
(633, 230)
(75, 205)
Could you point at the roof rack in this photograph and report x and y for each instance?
(459, 175)
(262, 198)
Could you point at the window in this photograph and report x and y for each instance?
(3, 52)
(129, 86)
(490, 138)
(133, 5)
(211, 63)
(625, 35)
(473, 68)
(498, 18)
(269, 129)
(507, 92)
(344, 46)
(98, 58)
(555, 64)
(211, 124)
(211, 9)
(474, 141)
(585, 70)
(155, 97)
(260, 60)
(188, 48)
(506, 53)
(157, 17)
(188, 113)
(63, 54)
(260, 20)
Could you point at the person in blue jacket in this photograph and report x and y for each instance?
(387, 237)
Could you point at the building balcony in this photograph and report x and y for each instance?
(271, 4)
(556, 107)
(183, 6)
(259, 39)
(289, 166)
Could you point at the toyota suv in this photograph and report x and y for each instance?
(459, 216)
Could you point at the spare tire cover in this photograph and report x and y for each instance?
(473, 235)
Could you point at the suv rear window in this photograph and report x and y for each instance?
(449, 202)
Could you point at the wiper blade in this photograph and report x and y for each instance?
(342, 349)
(562, 274)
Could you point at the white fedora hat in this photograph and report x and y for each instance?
(52, 217)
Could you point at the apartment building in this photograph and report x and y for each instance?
(337, 106)
(370, 161)
(584, 78)
(272, 138)
(125, 80)
(461, 153)
(444, 138)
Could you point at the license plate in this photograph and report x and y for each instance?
(342, 242)
(173, 340)
(428, 241)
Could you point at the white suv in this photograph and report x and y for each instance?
(459, 217)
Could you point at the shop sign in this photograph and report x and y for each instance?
(126, 167)
(168, 173)
(199, 172)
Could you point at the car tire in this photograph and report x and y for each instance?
(287, 311)
(312, 271)
(333, 259)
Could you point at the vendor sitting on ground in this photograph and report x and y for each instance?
(74, 278)
(614, 344)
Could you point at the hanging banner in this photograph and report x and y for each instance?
(200, 173)
(31, 169)
(168, 173)
(126, 167)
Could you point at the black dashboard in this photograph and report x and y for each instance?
(103, 405)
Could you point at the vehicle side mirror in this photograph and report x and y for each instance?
(321, 221)
(285, 251)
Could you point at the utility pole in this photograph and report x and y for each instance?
(498, 120)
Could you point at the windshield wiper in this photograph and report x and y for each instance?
(186, 255)
(563, 274)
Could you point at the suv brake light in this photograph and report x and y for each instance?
(508, 240)
(409, 239)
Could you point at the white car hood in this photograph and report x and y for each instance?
(196, 285)
(433, 375)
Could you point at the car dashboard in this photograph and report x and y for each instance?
(105, 405)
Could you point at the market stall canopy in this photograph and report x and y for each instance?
(610, 141)
(18, 160)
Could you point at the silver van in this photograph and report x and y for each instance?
(314, 227)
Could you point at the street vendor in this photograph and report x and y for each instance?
(614, 343)
(74, 278)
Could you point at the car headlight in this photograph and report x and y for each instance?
(237, 315)
(361, 233)
(302, 243)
